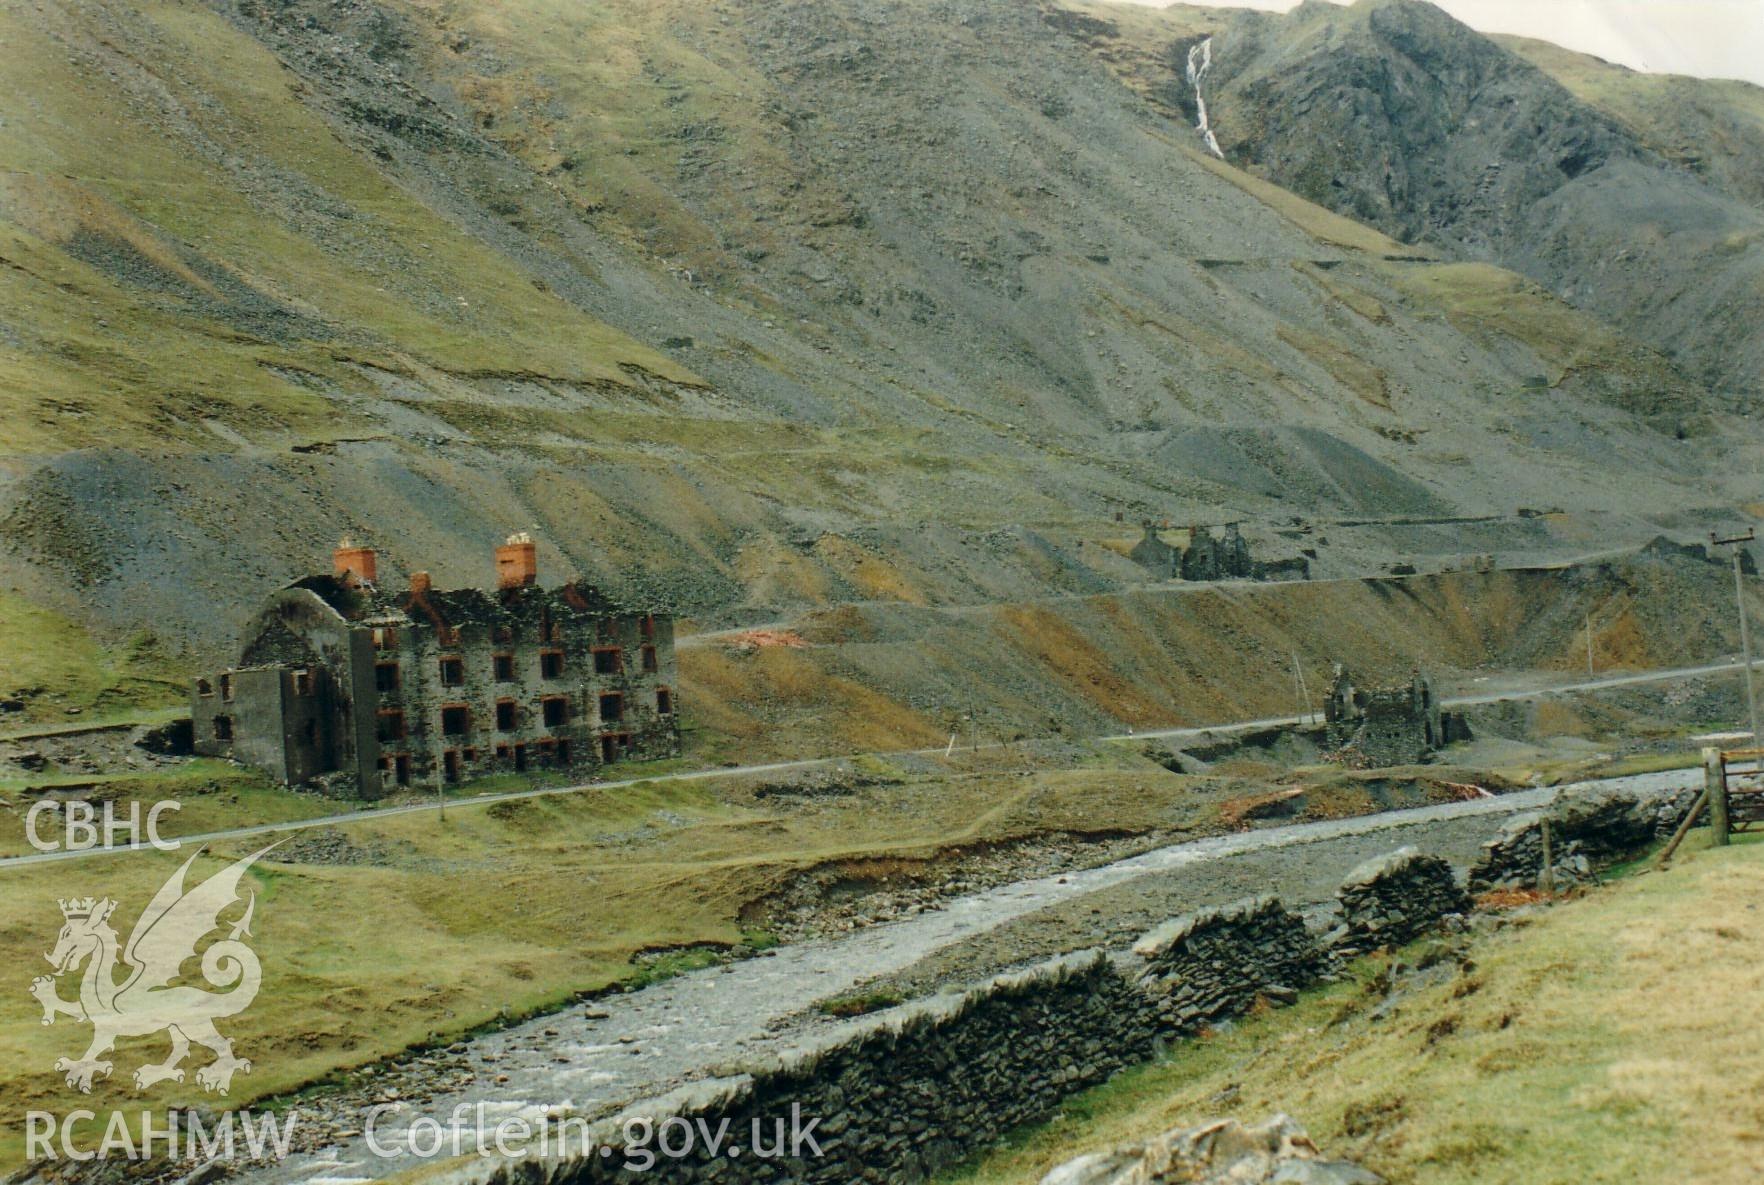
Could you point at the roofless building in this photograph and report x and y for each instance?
(349, 686)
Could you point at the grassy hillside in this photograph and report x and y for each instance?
(667, 865)
(52, 665)
(159, 278)
(1615, 1037)
(741, 308)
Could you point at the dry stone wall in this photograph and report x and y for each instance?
(1589, 830)
(904, 1093)
(1395, 898)
(1206, 967)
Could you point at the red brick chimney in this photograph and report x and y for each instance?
(355, 565)
(517, 562)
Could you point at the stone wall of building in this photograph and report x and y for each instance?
(1295, 567)
(259, 713)
(1211, 557)
(1154, 555)
(1384, 726)
(607, 674)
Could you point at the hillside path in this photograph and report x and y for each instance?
(344, 819)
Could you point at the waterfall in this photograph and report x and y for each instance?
(1200, 60)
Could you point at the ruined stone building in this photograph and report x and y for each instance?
(1154, 555)
(1400, 725)
(1224, 558)
(1210, 557)
(361, 689)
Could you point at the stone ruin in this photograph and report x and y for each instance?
(1162, 559)
(1383, 726)
(1211, 557)
(1224, 558)
(358, 688)
(1663, 550)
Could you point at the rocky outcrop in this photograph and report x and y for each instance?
(1395, 898)
(1394, 113)
(1224, 1152)
(1208, 966)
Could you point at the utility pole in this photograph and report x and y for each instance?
(1739, 596)
(1304, 695)
(1589, 647)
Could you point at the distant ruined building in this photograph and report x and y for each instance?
(1210, 557)
(361, 690)
(1224, 558)
(1383, 726)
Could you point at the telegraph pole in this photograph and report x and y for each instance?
(1739, 597)
(1589, 647)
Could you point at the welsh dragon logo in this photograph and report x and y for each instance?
(144, 999)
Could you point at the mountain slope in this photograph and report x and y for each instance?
(1392, 112)
(742, 306)
(1714, 127)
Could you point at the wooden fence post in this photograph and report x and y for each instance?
(1547, 882)
(1715, 784)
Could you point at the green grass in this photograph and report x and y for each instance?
(568, 894)
(386, 281)
(670, 964)
(1482, 300)
(860, 1003)
(1650, 763)
(1565, 1054)
(40, 650)
(212, 795)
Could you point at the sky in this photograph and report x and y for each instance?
(1707, 38)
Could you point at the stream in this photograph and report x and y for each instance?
(1200, 60)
